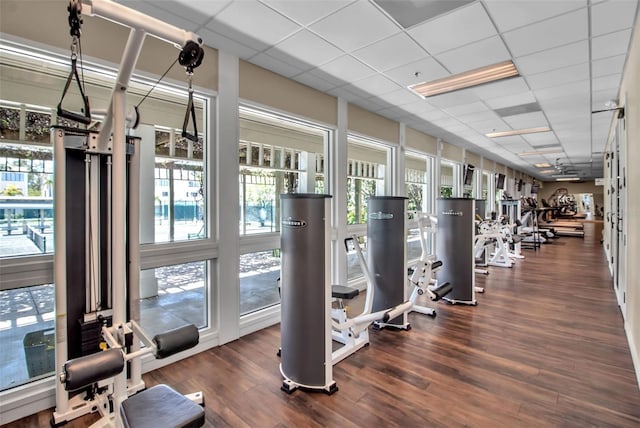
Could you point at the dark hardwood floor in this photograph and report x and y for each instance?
(544, 347)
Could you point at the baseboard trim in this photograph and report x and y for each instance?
(635, 352)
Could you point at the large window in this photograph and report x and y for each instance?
(26, 181)
(277, 155)
(417, 178)
(368, 174)
(179, 186)
(367, 168)
(448, 179)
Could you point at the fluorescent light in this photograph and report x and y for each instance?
(568, 179)
(518, 132)
(541, 152)
(547, 171)
(542, 165)
(479, 76)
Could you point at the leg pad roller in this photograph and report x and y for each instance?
(440, 291)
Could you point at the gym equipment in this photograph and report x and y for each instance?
(97, 250)
(455, 248)
(421, 276)
(308, 324)
(386, 251)
(156, 406)
(305, 308)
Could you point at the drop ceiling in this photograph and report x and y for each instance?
(570, 55)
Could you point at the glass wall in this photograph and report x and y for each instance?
(277, 155)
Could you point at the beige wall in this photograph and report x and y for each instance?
(373, 125)
(451, 152)
(421, 142)
(45, 21)
(630, 95)
(473, 159)
(270, 89)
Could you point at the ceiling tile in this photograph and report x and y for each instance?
(481, 116)
(461, 110)
(572, 89)
(306, 47)
(418, 107)
(428, 69)
(314, 81)
(275, 65)
(355, 26)
(541, 139)
(304, 12)
(527, 120)
(501, 88)
(453, 99)
(512, 139)
(376, 85)
(348, 69)
(400, 97)
(511, 100)
(487, 126)
(611, 81)
(168, 15)
(513, 14)
(610, 44)
(252, 24)
(462, 26)
(612, 16)
(219, 41)
(551, 59)
(391, 52)
(557, 31)
(475, 55)
(561, 76)
(611, 65)
(199, 11)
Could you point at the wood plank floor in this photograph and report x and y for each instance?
(544, 347)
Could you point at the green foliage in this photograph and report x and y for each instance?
(12, 190)
(446, 192)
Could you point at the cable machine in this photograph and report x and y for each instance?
(96, 260)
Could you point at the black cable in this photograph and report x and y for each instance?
(81, 65)
(156, 84)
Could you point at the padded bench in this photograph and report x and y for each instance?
(161, 406)
(343, 292)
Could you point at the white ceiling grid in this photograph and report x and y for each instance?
(570, 55)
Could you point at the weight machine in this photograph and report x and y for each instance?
(422, 275)
(96, 259)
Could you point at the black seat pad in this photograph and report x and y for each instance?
(161, 406)
(342, 292)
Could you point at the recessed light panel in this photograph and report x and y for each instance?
(518, 132)
(479, 76)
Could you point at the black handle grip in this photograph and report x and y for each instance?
(76, 117)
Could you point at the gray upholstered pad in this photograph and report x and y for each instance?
(161, 406)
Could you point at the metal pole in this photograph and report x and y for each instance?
(60, 264)
(133, 230)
